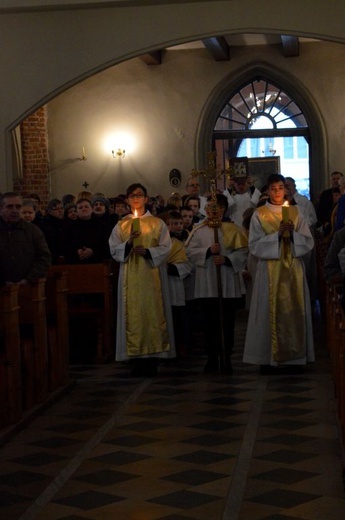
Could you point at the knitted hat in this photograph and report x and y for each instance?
(100, 198)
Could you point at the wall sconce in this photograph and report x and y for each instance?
(119, 153)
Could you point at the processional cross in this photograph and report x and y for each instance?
(212, 173)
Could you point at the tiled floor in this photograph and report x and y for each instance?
(181, 446)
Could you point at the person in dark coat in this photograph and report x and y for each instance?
(85, 240)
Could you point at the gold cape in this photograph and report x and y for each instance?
(286, 293)
(177, 254)
(145, 322)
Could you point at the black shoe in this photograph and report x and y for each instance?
(212, 365)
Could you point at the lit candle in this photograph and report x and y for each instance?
(285, 212)
(285, 216)
(136, 227)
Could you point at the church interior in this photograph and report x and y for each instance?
(98, 94)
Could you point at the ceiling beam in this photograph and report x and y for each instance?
(218, 47)
(290, 46)
(152, 58)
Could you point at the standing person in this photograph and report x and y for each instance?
(187, 215)
(144, 330)
(241, 195)
(279, 328)
(85, 240)
(229, 255)
(193, 190)
(24, 254)
(325, 205)
(100, 206)
(305, 205)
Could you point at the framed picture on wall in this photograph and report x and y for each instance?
(239, 166)
(259, 168)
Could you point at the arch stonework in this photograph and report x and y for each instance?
(293, 87)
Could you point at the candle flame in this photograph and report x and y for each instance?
(135, 213)
(286, 204)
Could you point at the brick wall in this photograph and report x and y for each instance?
(34, 139)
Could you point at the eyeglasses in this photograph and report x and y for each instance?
(193, 185)
(136, 196)
(58, 208)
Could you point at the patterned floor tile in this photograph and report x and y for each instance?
(89, 500)
(184, 499)
(195, 477)
(106, 477)
(286, 456)
(284, 475)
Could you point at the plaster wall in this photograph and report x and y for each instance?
(53, 45)
(161, 107)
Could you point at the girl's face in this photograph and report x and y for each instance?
(276, 192)
(28, 213)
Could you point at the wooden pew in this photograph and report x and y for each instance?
(57, 329)
(93, 279)
(33, 340)
(10, 358)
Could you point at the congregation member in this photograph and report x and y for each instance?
(331, 267)
(120, 208)
(52, 226)
(325, 205)
(279, 330)
(24, 253)
(68, 198)
(304, 204)
(223, 256)
(100, 206)
(241, 194)
(193, 190)
(141, 244)
(85, 240)
(29, 210)
(70, 212)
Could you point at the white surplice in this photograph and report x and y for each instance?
(258, 347)
(159, 254)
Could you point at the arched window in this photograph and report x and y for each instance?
(261, 121)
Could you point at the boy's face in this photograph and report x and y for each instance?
(276, 192)
(28, 213)
(193, 204)
(176, 225)
(187, 217)
(137, 200)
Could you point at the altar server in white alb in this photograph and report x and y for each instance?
(141, 243)
(279, 328)
(226, 254)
